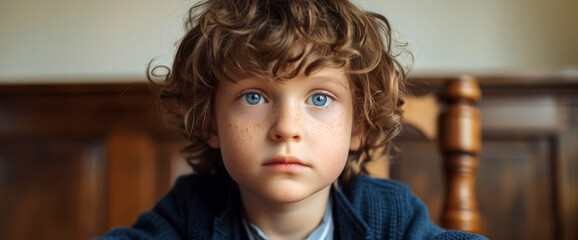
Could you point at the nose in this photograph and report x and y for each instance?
(287, 124)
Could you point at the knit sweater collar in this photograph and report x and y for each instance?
(348, 223)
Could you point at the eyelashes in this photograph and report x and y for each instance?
(319, 98)
(253, 98)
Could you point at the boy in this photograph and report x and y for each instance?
(283, 102)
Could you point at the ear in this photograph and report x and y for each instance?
(214, 142)
(356, 140)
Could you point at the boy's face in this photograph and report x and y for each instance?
(285, 141)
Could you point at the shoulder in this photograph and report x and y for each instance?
(387, 207)
(193, 185)
(201, 192)
(391, 210)
(382, 197)
(188, 209)
(457, 235)
(365, 186)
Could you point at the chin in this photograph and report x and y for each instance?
(291, 194)
(287, 197)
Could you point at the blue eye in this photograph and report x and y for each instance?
(254, 98)
(319, 100)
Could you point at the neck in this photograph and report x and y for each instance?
(295, 220)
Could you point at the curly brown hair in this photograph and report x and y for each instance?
(231, 39)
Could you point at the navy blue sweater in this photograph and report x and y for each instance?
(209, 207)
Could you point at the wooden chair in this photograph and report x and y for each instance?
(460, 142)
(451, 116)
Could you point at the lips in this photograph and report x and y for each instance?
(285, 160)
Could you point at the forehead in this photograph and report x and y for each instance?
(323, 75)
(298, 60)
(330, 75)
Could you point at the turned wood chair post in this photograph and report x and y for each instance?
(460, 142)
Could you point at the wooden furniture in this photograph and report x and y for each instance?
(459, 134)
(78, 159)
(525, 183)
(460, 142)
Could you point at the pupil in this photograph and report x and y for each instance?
(319, 100)
(253, 98)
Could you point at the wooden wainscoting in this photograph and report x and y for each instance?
(78, 159)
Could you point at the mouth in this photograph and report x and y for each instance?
(285, 164)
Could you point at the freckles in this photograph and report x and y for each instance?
(254, 130)
(338, 128)
(235, 132)
(336, 136)
(256, 126)
(329, 135)
(242, 132)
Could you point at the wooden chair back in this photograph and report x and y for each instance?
(460, 143)
(449, 115)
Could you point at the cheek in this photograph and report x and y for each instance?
(333, 136)
(237, 135)
(237, 142)
(241, 126)
(334, 124)
(238, 152)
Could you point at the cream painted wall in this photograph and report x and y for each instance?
(112, 40)
(78, 40)
(486, 37)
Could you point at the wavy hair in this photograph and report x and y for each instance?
(278, 39)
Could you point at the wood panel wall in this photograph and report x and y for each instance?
(527, 179)
(76, 160)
